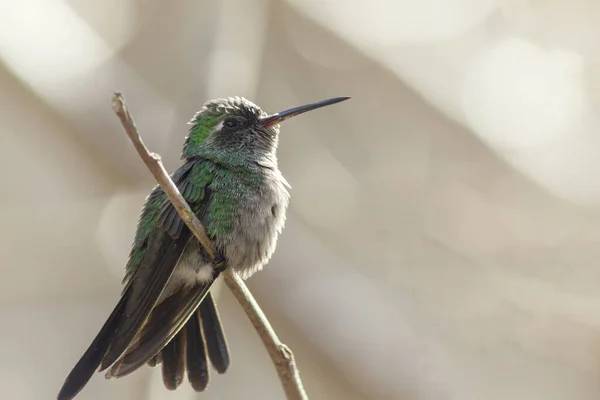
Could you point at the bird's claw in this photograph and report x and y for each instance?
(219, 261)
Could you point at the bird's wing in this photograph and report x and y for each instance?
(164, 245)
(160, 240)
(165, 322)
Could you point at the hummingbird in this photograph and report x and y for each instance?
(166, 314)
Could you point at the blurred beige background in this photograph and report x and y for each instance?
(444, 234)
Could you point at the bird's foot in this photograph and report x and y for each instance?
(219, 261)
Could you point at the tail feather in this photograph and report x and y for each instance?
(173, 361)
(216, 344)
(182, 333)
(197, 363)
(165, 322)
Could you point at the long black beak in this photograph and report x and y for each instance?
(279, 117)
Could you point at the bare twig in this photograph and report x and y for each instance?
(280, 354)
(154, 164)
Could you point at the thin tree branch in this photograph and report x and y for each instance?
(280, 354)
(154, 164)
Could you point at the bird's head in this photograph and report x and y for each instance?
(237, 125)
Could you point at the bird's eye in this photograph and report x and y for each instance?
(231, 123)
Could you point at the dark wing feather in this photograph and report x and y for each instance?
(154, 256)
(86, 366)
(156, 360)
(164, 248)
(155, 208)
(167, 319)
(170, 221)
(147, 285)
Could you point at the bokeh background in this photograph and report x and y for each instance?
(443, 240)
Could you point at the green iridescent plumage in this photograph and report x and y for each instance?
(192, 180)
(207, 165)
(202, 126)
(166, 314)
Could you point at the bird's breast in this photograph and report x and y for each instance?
(258, 221)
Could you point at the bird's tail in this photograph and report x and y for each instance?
(177, 333)
(201, 340)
